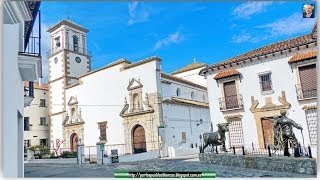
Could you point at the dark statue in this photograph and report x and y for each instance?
(283, 133)
(216, 138)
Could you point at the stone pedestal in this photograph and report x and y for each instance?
(80, 154)
(30, 155)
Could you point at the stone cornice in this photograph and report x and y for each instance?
(150, 59)
(17, 11)
(180, 80)
(187, 102)
(137, 113)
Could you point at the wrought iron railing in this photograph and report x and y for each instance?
(305, 91)
(29, 90)
(33, 48)
(231, 102)
(71, 47)
(303, 151)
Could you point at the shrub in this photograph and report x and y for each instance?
(68, 154)
(39, 151)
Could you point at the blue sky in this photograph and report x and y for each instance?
(177, 32)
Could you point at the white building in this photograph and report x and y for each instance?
(36, 118)
(125, 105)
(19, 64)
(249, 89)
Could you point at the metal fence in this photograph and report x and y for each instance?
(269, 151)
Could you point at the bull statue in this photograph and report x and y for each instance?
(216, 138)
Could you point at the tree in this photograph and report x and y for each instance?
(58, 144)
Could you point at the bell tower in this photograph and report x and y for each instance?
(68, 59)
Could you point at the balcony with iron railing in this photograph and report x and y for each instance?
(28, 93)
(71, 47)
(231, 102)
(29, 58)
(306, 91)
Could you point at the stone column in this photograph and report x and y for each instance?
(80, 150)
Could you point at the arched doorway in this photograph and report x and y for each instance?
(73, 142)
(139, 140)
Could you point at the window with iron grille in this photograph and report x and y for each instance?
(43, 121)
(265, 82)
(235, 132)
(42, 103)
(26, 143)
(103, 131)
(311, 116)
(184, 137)
(26, 124)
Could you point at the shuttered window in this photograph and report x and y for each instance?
(230, 95)
(308, 81)
(103, 131)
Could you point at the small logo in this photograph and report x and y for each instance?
(308, 11)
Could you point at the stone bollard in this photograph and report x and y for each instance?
(30, 155)
(80, 154)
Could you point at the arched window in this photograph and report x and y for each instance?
(204, 98)
(192, 95)
(178, 92)
(75, 43)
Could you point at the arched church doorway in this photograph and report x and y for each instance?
(139, 140)
(73, 142)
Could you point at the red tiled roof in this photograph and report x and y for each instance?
(269, 49)
(227, 73)
(36, 85)
(303, 56)
(306, 107)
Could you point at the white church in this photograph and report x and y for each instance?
(130, 106)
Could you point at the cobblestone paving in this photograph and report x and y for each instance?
(107, 170)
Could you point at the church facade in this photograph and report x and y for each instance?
(130, 106)
(250, 89)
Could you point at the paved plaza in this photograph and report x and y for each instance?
(165, 164)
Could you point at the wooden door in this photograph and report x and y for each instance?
(230, 95)
(74, 142)
(139, 140)
(267, 129)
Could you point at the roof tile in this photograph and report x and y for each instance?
(227, 73)
(303, 56)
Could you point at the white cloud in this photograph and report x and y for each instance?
(137, 13)
(247, 9)
(243, 38)
(288, 26)
(173, 38)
